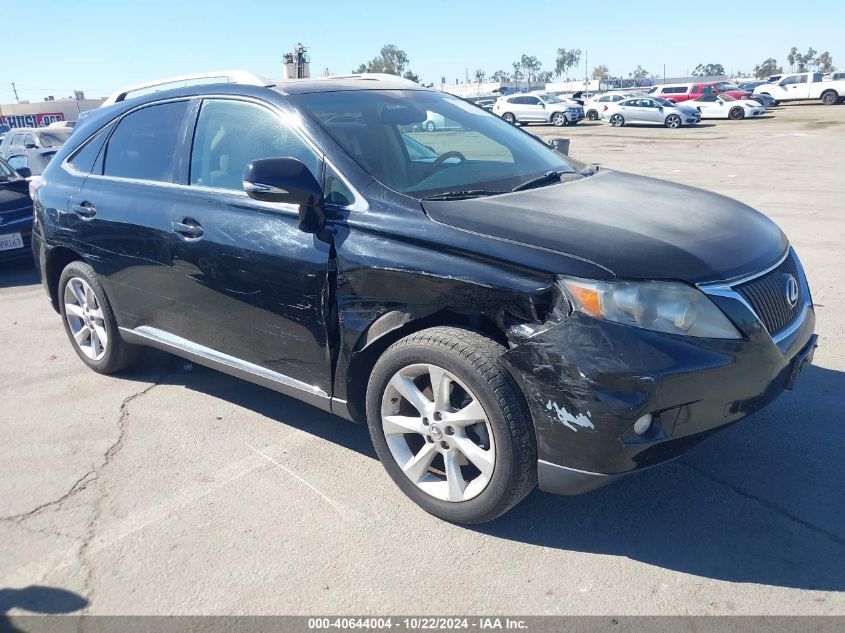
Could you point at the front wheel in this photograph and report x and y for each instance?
(90, 323)
(559, 119)
(673, 121)
(450, 426)
(736, 114)
(617, 120)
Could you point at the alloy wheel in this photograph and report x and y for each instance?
(85, 318)
(617, 121)
(558, 119)
(438, 432)
(673, 121)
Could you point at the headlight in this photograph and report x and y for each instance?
(662, 306)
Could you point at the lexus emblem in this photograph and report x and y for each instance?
(790, 292)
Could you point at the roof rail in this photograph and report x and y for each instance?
(374, 77)
(222, 76)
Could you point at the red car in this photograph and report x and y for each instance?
(683, 92)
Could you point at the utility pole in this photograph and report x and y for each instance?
(15, 90)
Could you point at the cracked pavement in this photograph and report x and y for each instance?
(173, 489)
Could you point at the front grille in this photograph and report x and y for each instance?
(767, 295)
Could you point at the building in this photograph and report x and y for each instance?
(42, 113)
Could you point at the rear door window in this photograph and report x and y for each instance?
(145, 144)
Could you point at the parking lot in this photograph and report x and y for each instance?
(173, 489)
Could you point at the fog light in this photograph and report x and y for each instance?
(642, 425)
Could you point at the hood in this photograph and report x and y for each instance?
(14, 194)
(635, 227)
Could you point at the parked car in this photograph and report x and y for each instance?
(595, 106)
(683, 92)
(726, 107)
(15, 214)
(34, 162)
(803, 87)
(26, 140)
(651, 111)
(507, 318)
(523, 109)
(836, 75)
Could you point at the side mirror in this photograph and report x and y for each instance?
(287, 180)
(24, 172)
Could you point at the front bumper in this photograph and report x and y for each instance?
(587, 382)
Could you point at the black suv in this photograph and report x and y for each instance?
(497, 313)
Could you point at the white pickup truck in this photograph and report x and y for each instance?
(804, 86)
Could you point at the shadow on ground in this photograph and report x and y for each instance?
(762, 501)
(37, 599)
(18, 272)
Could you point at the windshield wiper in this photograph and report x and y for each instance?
(462, 195)
(549, 176)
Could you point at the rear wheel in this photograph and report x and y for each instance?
(510, 118)
(673, 121)
(617, 120)
(449, 425)
(90, 323)
(736, 113)
(429, 126)
(559, 119)
(830, 97)
(592, 115)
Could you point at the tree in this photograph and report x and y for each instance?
(824, 62)
(545, 76)
(517, 73)
(708, 70)
(531, 65)
(566, 59)
(767, 67)
(639, 72)
(805, 60)
(410, 74)
(391, 60)
(600, 72)
(792, 57)
(480, 76)
(501, 76)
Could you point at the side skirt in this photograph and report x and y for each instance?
(159, 339)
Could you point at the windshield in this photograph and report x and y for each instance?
(422, 143)
(5, 171)
(54, 138)
(726, 85)
(665, 102)
(550, 99)
(727, 98)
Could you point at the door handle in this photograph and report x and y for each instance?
(188, 228)
(86, 210)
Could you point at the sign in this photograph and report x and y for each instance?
(32, 120)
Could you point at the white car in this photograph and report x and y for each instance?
(651, 111)
(726, 107)
(595, 106)
(804, 86)
(537, 108)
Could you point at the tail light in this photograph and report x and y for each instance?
(604, 109)
(34, 183)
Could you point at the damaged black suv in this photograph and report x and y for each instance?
(498, 314)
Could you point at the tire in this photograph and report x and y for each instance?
(474, 376)
(95, 321)
(617, 120)
(429, 126)
(830, 97)
(592, 115)
(736, 114)
(510, 118)
(673, 121)
(559, 119)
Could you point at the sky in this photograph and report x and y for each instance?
(116, 43)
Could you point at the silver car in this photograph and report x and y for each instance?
(538, 108)
(651, 111)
